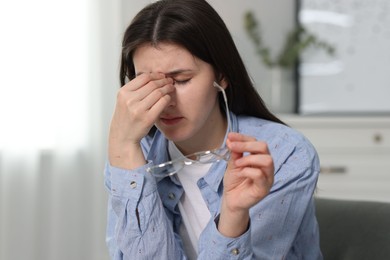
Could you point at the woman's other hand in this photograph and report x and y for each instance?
(248, 179)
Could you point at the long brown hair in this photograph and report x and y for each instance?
(196, 26)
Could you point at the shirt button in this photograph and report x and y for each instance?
(171, 196)
(235, 251)
(133, 184)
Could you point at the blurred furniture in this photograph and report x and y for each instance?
(354, 230)
(354, 153)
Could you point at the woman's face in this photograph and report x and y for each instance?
(192, 119)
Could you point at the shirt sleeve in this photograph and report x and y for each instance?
(138, 227)
(214, 245)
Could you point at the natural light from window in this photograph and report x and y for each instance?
(44, 74)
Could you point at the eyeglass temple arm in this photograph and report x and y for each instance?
(215, 84)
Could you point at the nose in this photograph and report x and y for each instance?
(172, 102)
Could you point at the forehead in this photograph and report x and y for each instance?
(164, 57)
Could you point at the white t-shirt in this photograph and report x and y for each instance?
(193, 208)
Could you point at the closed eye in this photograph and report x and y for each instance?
(182, 82)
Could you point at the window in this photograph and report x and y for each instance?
(44, 84)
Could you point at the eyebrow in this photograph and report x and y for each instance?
(171, 73)
(177, 72)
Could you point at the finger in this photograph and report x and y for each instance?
(233, 155)
(151, 107)
(258, 177)
(242, 143)
(143, 100)
(152, 86)
(252, 173)
(151, 99)
(233, 136)
(154, 90)
(158, 107)
(255, 161)
(141, 80)
(249, 147)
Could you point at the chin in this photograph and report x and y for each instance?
(176, 138)
(176, 135)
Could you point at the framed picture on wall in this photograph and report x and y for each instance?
(356, 79)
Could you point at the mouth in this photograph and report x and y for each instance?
(170, 120)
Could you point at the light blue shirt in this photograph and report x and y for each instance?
(144, 220)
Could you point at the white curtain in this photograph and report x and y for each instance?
(58, 78)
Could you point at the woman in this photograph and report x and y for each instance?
(251, 198)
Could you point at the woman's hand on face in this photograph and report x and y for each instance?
(250, 172)
(138, 105)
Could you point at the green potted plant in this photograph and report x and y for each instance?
(297, 41)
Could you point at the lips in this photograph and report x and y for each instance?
(170, 120)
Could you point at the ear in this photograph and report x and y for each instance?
(223, 82)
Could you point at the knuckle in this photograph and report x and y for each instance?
(135, 112)
(120, 94)
(268, 160)
(159, 92)
(153, 84)
(123, 96)
(130, 104)
(162, 92)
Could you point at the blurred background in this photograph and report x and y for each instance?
(59, 63)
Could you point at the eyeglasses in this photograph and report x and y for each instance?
(172, 167)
